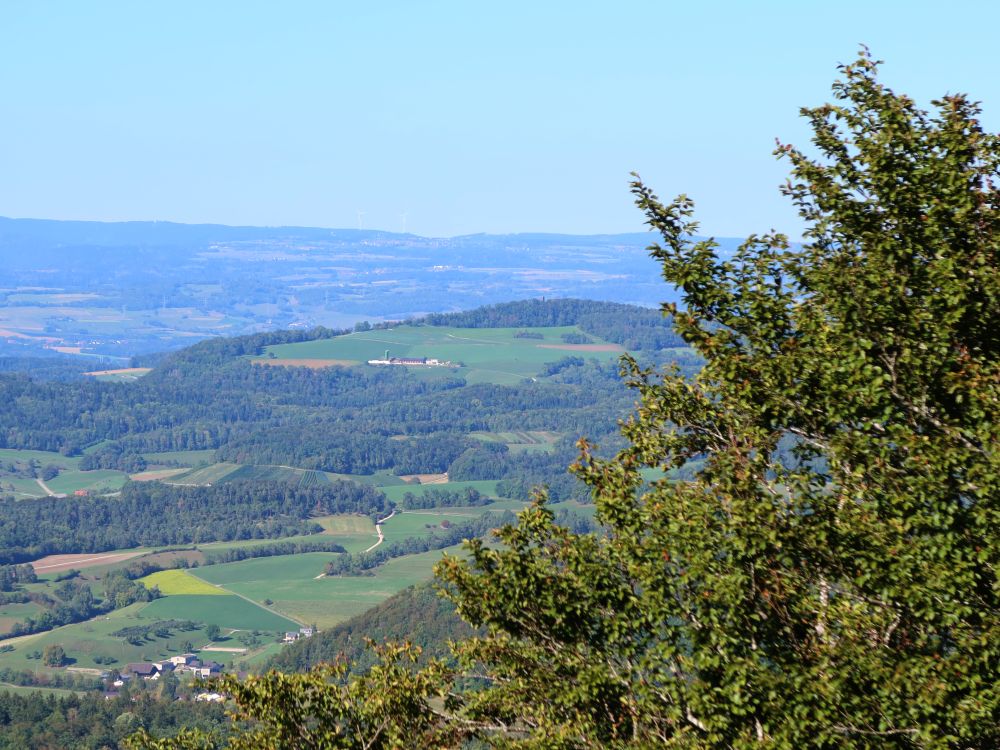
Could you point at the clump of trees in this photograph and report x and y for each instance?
(75, 601)
(13, 575)
(843, 594)
(444, 498)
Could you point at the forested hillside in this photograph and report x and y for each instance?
(347, 420)
(91, 721)
(636, 328)
(416, 615)
(153, 513)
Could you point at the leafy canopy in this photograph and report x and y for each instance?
(829, 578)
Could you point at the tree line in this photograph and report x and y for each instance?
(157, 514)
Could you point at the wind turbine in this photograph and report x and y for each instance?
(402, 217)
(361, 219)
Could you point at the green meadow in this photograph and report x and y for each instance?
(97, 482)
(83, 641)
(395, 493)
(181, 458)
(69, 480)
(425, 522)
(11, 614)
(534, 440)
(20, 487)
(227, 611)
(355, 533)
(487, 355)
(43, 457)
(291, 583)
(266, 573)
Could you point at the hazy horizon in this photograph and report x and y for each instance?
(443, 119)
(377, 230)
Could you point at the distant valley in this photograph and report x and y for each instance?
(114, 290)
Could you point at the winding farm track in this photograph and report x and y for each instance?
(378, 528)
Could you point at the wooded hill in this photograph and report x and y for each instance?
(342, 420)
(417, 615)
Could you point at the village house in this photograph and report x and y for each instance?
(205, 668)
(144, 669)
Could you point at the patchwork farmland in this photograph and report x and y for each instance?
(515, 399)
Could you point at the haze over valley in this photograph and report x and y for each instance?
(115, 290)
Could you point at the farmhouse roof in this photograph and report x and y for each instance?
(141, 668)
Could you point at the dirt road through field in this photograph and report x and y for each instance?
(56, 563)
(378, 528)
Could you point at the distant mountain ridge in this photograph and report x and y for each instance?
(128, 232)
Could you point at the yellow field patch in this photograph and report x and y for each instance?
(180, 582)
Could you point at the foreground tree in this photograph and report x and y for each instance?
(829, 578)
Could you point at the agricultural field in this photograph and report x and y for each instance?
(69, 480)
(179, 582)
(97, 482)
(123, 375)
(84, 641)
(395, 493)
(265, 473)
(95, 563)
(180, 458)
(217, 473)
(262, 575)
(152, 475)
(425, 522)
(486, 355)
(59, 692)
(290, 582)
(9, 455)
(226, 611)
(381, 479)
(20, 487)
(354, 533)
(348, 524)
(536, 440)
(11, 614)
(205, 475)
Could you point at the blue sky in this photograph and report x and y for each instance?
(444, 117)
